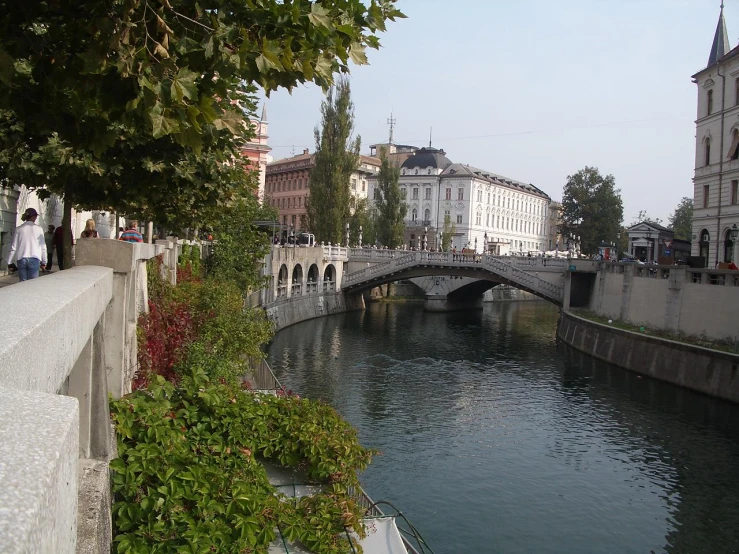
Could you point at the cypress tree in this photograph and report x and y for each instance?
(337, 157)
(390, 206)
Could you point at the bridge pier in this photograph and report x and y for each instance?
(442, 303)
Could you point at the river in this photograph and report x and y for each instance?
(496, 439)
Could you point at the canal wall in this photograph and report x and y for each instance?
(705, 370)
(289, 311)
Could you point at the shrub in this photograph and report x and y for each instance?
(187, 479)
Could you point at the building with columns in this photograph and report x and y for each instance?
(715, 195)
(287, 186)
(508, 216)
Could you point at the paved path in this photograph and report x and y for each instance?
(12, 279)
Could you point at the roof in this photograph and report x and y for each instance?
(455, 170)
(655, 226)
(427, 157)
(720, 41)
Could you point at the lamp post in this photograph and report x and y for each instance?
(347, 234)
(425, 236)
(360, 236)
(485, 244)
(649, 246)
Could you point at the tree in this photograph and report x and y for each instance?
(591, 208)
(643, 217)
(337, 157)
(138, 105)
(362, 217)
(681, 221)
(390, 206)
(448, 233)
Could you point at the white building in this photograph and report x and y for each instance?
(486, 208)
(715, 197)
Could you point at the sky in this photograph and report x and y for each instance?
(535, 90)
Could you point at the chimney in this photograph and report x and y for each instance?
(305, 150)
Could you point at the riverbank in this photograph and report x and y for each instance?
(699, 368)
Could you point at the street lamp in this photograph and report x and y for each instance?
(347, 234)
(360, 236)
(649, 246)
(425, 236)
(485, 244)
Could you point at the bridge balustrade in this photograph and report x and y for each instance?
(329, 286)
(295, 290)
(311, 288)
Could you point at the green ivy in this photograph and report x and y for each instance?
(188, 478)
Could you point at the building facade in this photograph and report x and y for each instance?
(287, 186)
(256, 149)
(716, 180)
(486, 209)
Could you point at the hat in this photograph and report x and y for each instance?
(30, 212)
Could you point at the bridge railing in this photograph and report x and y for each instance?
(501, 265)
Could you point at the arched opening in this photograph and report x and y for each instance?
(703, 246)
(427, 216)
(728, 246)
(312, 284)
(282, 282)
(734, 147)
(297, 281)
(329, 278)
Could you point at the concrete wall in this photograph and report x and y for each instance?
(702, 369)
(69, 342)
(294, 310)
(703, 303)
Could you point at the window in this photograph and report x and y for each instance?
(354, 184)
(448, 194)
(708, 152)
(414, 215)
(426, 216)
(479, 196)
(488, 198)
(459, 218)
(364, 185)
(460, 194)
(705, 196)
(734, 192)
(709, 111)
(415, 193)
(403, 193)
(447, 214)
(428, 193)
(734, 148)
(374, 194)
(736, 92)
(487, 220)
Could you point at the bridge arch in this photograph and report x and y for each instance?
(297, 274)
(313, 273)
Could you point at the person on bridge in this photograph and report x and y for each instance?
(29, 247)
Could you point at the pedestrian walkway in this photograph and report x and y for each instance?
(12, 278)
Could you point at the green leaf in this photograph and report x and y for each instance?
(357, 53)
(209, 47)
(319, 16)
(6, 68)
(233, 121)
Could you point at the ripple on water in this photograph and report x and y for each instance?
(496, 440)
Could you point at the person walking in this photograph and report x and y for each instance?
(89, 232)
(58, 243)
(131, 234)
(28, 247)
(49, 238)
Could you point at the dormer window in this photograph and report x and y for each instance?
(416, 172)
(429, 171)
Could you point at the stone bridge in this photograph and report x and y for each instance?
(544, 277)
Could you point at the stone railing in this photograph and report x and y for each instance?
(69, 341)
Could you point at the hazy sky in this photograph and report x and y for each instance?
(535, 90)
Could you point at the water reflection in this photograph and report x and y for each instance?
(496, 439)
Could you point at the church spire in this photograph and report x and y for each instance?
(720, 40)
(264, 113)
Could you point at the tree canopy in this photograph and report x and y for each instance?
(337, 157)
(138, 105)
(681, 220)
(390, 206)
(591, 208)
